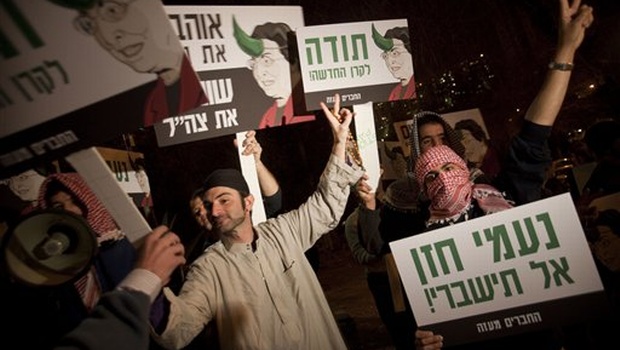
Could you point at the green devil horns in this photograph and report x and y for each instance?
(251, 46)
(381, 42)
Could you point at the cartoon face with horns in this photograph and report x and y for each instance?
(269, 57)
(396, 48)
(270, 62)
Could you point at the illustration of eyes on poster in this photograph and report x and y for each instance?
(246, 65)
(75, 73)
(365, 62)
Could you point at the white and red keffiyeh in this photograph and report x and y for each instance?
(451, 192)
(98, 218)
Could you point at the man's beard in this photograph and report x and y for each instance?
(231, 228)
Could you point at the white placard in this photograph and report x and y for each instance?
(520, 262)
(366, 139)
(97, 174)
(248, 169)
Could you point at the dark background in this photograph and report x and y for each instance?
(487, 54)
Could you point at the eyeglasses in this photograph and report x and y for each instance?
(393, 53)
(108, 10)
(264, 60)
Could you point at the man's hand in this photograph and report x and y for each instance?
(574, 19)
(365, 193)
(340, 120)
(161, 253)
(251, 146)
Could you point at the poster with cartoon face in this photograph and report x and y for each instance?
(78, 72)
(246, 65)
(365, 62)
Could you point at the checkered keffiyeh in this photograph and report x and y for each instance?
(433, 158)
(451, 193)
(97, 217)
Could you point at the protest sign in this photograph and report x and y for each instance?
(75, 73)
(518, 270)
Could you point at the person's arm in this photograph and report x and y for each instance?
(525, 178)
(528, 157)
(124, 312)
(161, 253)
(322, 211)
(268, 183)
(119, 321)
(369, 217)
(352, 234)
(269, 186)
(574, 20)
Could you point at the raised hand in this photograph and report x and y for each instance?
(574, 19)
(340, 120)
(251, 146)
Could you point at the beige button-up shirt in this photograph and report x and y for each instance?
(269, 298)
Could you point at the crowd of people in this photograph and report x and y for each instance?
(251, 285)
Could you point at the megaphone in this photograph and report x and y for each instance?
(49, 248)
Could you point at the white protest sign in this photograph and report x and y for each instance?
(366, 139)
(248, 169)
(362, 61)
(65, 86)
(521, 269)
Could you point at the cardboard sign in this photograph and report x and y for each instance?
(515, 271)
(366, 139)
(362, 61)
(246, 66)
(102, 181)
(123, 165)
(71, 78)
(403, 128)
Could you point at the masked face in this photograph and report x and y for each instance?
(445, 179)
(448, 188)
(63, 200)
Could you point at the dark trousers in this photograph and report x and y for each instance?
(400, 325)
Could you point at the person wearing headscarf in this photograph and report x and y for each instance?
(59, 309)
(69, 191)
(444, 178)
(120, 320)
(442, 175)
